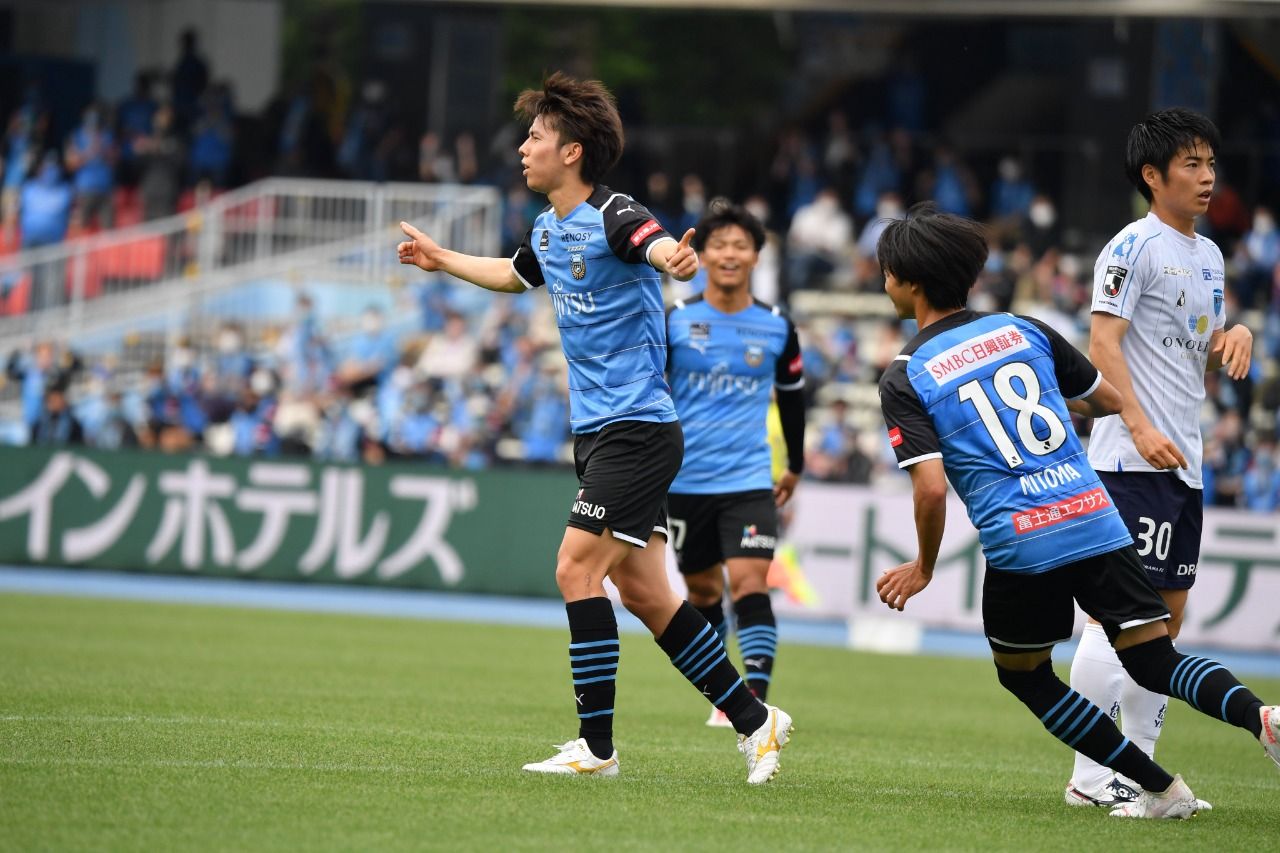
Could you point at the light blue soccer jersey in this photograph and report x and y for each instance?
(722, 367)
(987, 394)
(608, 303)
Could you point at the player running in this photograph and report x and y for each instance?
(599, 254)
(1157, 306)
(727, 352)
(981, 400)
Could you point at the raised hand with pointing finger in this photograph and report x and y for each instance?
(419, 250)
(682, 263)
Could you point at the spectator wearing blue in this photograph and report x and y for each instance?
(952, 188)
(91, 157)
(1261, 485)
(1011, 193)
(24, 140)
(1258, 255)
(134, 118)
(46, 205)
(44, 215)
(57, 426)
(544, 431)
(36, 370)
(367, 123)
(212, 139)
(253, 422)
(416, 428)
(371, 354)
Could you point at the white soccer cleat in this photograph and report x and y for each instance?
(1270, 737)
(1177, 803)
(719, 720)
(762, 747)
(1112, 794)
(575, 759)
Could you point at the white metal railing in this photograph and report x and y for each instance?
(61, 292)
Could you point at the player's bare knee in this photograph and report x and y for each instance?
(705, 588)
(745, 584)
(574, 577)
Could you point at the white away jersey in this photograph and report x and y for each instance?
(1170, 288)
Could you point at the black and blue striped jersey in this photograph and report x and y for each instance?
(608, 304)
(986, 393)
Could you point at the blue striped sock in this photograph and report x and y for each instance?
(1082, 725)
(757, 641)
(593, 663)
(697, 651)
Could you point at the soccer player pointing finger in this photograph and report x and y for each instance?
(599, 253)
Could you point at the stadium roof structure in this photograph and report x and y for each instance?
(958, 8)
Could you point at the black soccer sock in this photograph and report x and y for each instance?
(696, 650)
(1081, 725)
(593, 659)
(715, 616)
(1204, 684)
(757, 640)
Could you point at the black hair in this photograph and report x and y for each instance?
(1158, 138)
(941, 252)
(721, 214)
(582, 111)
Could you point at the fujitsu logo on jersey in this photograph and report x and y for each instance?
(573, 303)
(720, 381)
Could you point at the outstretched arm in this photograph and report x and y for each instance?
(490, 273)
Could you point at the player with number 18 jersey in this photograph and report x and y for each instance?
(986, 393)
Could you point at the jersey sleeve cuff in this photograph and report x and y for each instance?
(916, 460)
(523, 280)
(1097, 380)
(649, 251)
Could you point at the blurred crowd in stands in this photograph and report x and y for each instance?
(472, 382)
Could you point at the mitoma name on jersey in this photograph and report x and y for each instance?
(967, 356)
(1049, 478)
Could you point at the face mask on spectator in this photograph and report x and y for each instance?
(183, 358)
(262, 383)
(1263, 223)
(1042, 215)
(371, 323)
(888, 210)
(228, 342)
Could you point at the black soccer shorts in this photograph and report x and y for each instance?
(624, 471)
(1165, 517)
(1024, 612)
(709, 529)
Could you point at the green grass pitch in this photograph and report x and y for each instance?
(132, 726)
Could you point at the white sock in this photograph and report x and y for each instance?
(1097, 675)
(1142, 715)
